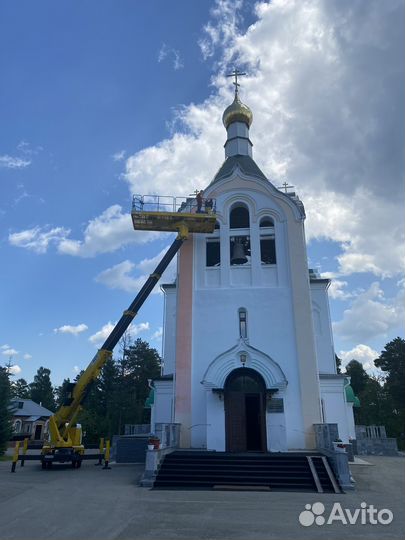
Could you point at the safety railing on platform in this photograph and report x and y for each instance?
(166, 203)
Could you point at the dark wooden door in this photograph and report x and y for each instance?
(38, 432)
(235, 421)
(245, 412)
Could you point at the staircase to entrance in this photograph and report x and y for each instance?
(281, 471)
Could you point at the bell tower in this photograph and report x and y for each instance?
(240, 347)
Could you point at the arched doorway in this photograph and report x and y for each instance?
(245, 411)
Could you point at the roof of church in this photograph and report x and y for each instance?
(245, 163)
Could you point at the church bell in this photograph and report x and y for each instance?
(238, 254)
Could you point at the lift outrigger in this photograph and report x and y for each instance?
(148, 213)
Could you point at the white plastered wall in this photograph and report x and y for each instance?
(335, 405)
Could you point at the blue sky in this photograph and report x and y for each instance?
(100, 100)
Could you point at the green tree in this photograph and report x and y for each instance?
(99, 416)
(20, 389)
(61, 392)
(392, 362)
(5, 413)
(140, 363)
(41, 389)
(358, 376)
(118, 395)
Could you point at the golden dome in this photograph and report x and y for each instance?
(237, 112)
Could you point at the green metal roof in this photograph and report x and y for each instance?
(150, 400)
(351, 397)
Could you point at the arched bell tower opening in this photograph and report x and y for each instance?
(245, 411)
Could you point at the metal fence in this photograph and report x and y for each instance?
(137, 429)
(167, 203)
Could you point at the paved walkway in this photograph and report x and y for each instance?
(90, 503)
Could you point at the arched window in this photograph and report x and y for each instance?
(266, 222)
(267, 241)
(239, 244)
(17, 426)
(242, 322)
(239, 217)
(213, 248)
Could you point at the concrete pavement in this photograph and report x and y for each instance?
(90, 503)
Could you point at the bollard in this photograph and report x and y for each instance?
(15, 456)
(100, 457)
(107, 454)
(25, 448)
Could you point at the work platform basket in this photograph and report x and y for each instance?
(166, 213)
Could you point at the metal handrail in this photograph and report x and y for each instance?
(167, 203)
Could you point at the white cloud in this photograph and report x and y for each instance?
(184, 162)
(163, 51)
(27, 149)
(337, 290)
(158, 334)
(14, 370)
(118, 277)
(119, 156)
(99, 337)
(27, 356)
(134, 330)
(9, 352)
(362, 353)
(5, 347)
(38, 239)
(370, 315)
(11, 162)
(121, 275)
(106, 233)
(360, 225)
(222, 30)
(166, 52)
(325, 85)
(69, 329)
(76, 369)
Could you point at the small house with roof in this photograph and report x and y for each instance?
(30, 419)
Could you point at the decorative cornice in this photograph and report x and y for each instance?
(219, 369)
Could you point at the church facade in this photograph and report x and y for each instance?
(249, 362)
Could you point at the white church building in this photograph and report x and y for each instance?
(249, 361)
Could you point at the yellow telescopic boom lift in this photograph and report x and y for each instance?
(65, 436)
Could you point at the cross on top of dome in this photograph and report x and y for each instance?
(236, 73)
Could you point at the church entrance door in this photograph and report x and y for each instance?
(245, 412)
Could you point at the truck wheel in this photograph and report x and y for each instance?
(43, 464)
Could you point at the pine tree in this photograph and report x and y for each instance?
(61, 392)
(358, 376)
(20, 389)
(140, 363)
(392, 362)
(41, 389)
(5, 413)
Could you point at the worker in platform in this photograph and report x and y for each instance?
(199, 198)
